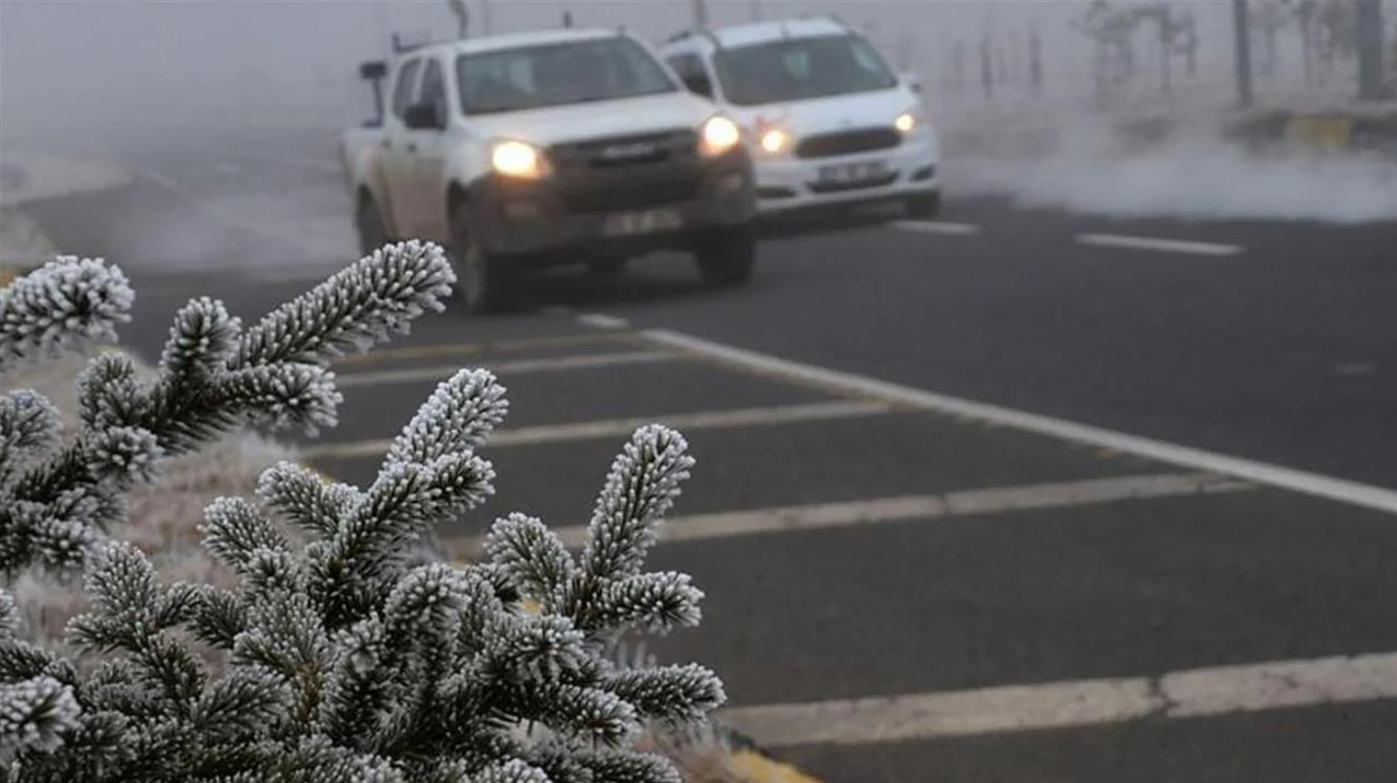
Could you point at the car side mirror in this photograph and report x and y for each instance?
(422, 116)
(373, 70)
(699, 84)
(912, 81)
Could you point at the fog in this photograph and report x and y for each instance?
(114, 75)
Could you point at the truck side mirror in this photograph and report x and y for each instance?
(699, 84)
(422, 116)
(373, 70)
(913, 82)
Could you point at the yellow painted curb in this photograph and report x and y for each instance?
(755, 767)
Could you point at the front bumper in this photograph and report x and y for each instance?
(621, 211)
(786, 183)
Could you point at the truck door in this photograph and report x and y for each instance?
(399, 163)
(429, 148)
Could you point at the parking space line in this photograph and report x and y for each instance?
(446, 350)
(936, 227)
(619, 428)
(857, 513)
(1163, 245)
(864, 387)
(519, 367)
(1062, 705)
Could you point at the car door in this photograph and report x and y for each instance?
(429, 147)
(399, 163)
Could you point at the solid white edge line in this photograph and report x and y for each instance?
(620, 428)
(1061, 705)
(520, 367)
(1153, 243)
(936, 227)
(880, 511)
(1328, 487)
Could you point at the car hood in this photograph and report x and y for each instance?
(837, 112)
(583, 121)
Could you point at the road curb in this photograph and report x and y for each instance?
(747, 759)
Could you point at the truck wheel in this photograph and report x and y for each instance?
(726, 256)
(923, 206)
(484, 282)
(368, 223)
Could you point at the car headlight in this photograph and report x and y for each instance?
(518, 159)
(906, 122)
(774, 140)
(719, 135)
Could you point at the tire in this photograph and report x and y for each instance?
(727, 256)
(368, 224)
(485, 283)
(923, 206)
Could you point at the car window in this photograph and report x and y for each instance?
(801, 69)
(535, 77)
(402, 90)
(433, 87)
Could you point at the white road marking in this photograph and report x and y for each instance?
(1163, 245)
(948, 505)
(936, 227)
(850, 384)
(602, 321)
(520, 367)
(1060, 705)
(620, 428)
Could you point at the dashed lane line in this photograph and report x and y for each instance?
(1157, 244)
(936, 227)
(520, 367)
(1063, 705)
(618, 428)
(602, 321)
(948, 505)
(864, 387)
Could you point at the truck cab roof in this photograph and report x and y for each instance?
(760, 32)
(513, 41)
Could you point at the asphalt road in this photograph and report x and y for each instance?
(962, 554)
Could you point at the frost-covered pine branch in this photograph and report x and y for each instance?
(58, 495)
(348, 660)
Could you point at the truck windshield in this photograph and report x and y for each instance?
(796, 69)
(535, 77)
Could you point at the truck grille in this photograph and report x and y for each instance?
(828, 145)
(625, 152)
(620, 195)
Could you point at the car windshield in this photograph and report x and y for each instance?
(535, 77)
(800, 69)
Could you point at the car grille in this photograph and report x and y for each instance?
(625, 152)
(827, 145)
(620, 195)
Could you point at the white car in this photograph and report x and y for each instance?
(829, 122)
(532, 150)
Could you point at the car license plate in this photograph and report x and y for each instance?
(647, 221)
(852, 173)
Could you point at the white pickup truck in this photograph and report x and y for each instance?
(526, 151)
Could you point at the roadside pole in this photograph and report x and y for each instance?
(1370, 51)
(1241, 25)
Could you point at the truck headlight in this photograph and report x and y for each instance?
(906, 122)
(518, 159)
(719, 135)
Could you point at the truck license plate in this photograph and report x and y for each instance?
(647, 221)
(852, 173)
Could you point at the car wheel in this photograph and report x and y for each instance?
(368, 223)
(923, 206)
(484, 282)
(726, 256)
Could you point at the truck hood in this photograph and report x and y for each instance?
(837, 112)
(582, 121)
